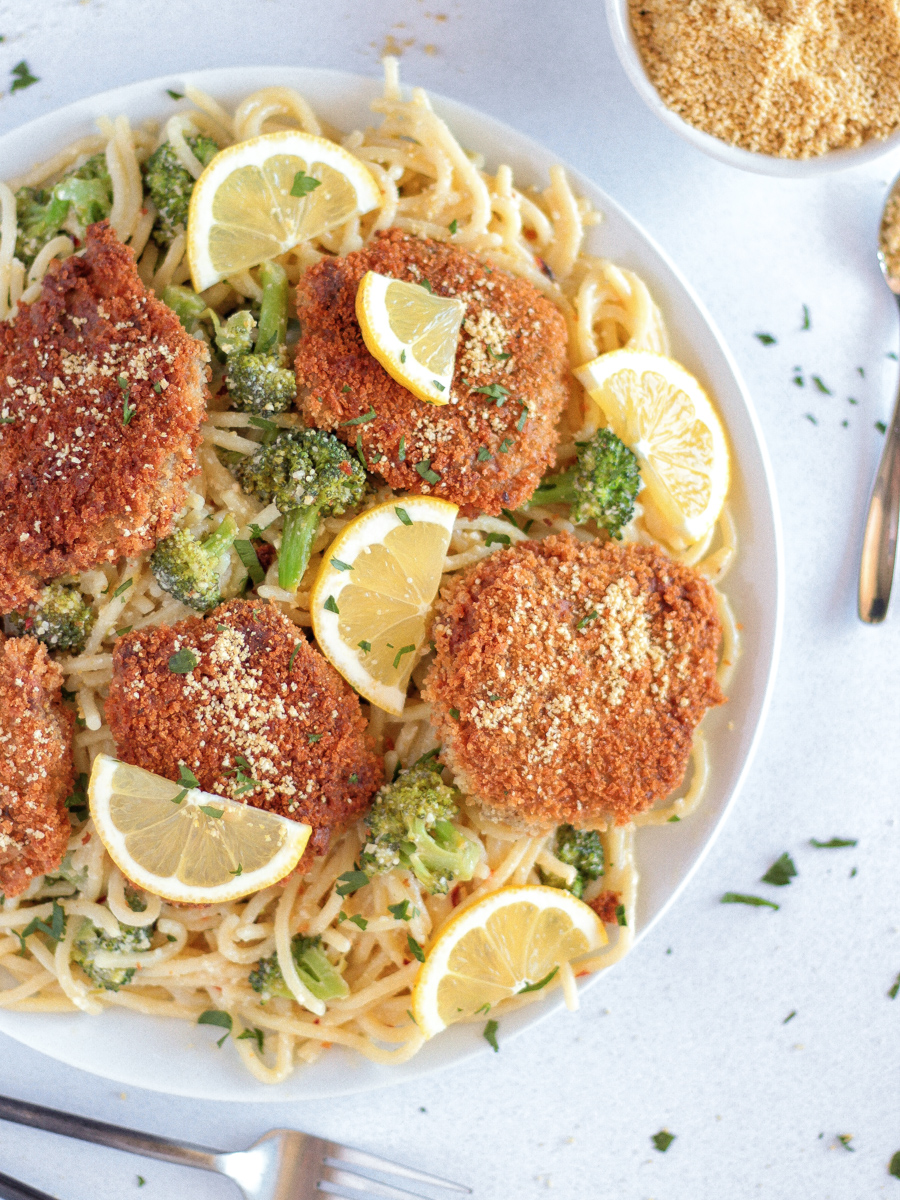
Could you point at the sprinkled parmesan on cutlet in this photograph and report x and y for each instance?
(569, 678)
(36, 772)
(262, 716)
(488, 448)
(82, 481)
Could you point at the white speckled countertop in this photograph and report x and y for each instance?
(689, 1033)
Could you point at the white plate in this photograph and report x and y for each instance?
(174, 1057)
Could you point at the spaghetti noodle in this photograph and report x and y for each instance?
(201, 957)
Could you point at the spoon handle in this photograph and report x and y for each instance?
(876, 568)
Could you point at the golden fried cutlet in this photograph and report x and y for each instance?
(101, 397)
(262, 717)
(570, 676)
(36, 772)
(490, 445)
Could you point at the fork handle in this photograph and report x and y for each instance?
(88, 1130)
(876, 570)
(12, 1189)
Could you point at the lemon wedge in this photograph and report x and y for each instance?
(261, 197)
(199, 849)
(495, 948)
(412, 333)
(661, 412)
(372, 598)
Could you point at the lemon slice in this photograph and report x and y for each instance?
(243, 211)
(201, 850)
(412, 333)
(662, 413)
(498, 946)
(372, 598)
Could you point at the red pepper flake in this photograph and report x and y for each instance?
(346, 468)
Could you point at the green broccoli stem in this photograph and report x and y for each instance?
(187, 305)
(273, 310)
(555, 489)
(300, 528)
(221, 539)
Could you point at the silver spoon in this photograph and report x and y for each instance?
(876, 568)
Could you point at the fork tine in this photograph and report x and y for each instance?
(343, 1156)
(360, 1187)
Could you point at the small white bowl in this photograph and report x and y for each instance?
(617, 15)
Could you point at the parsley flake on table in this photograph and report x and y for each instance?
(790, 1016)
(807, 323)
(811, 418)
(489, 1033)
(881, 427)
(894, 1166)
(781, 872)
(663, 1140)
(845, 1139)
(22, 77)
(743, 898)
(895, 990)
(821, 385)
(834, 843)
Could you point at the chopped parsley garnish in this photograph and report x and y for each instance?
(453, 226)
(22, 77)
(123, 587)
(495, 391)
(128, 409)
(175, 95)
(268, 427)
(361, 454)
(364, 418)
(798, 379)
(424, 469)
(674, 820)
(157, 387)
(242, 776)
(620, 915)
(7, 420)
(253, 1035)
(353, 778)
(401, 453)
(454, 713)
(357, 920)
(304, 184)
(663, 1140)
(212, 812)
(489, 1033)
(341, 566)
(585, 621)
(312, 738)
(500, 539)
(541, 983)
(484, 455)
(781, 872)
(183, 662)
(77, 803)
(894, 1167)
(350, 882)
(427, 286)
(141, 1181)
(821, 385)
(403, 356)
(520, 424)
(215, 1016)
(56, 930)
(248, 556)
(499, 356)
(790, 1016)
(506, 445)
(403, 515)
(294, 653)
(125, 629)
(414, 948)
(365, 646)
(440, 387)
(807, 323)
(427, 757)
(835, 843)
(881, 427)
(845, 1139)
(187, 779)
(331, 605)
(403, 650)
(400, 911)
(511, 517)
(239, 870)
(766, 338)
(742, 898)
(895, 989)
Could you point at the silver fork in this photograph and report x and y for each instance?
(283, 1165)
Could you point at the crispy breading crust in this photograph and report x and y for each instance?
(78, 485)
(578, 671)
(294, 720)
(36, 771)
(339, 380)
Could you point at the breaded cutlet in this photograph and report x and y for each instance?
(262, 716)
(492, 443)
(101, 397)
(36, 771)
(570, 676)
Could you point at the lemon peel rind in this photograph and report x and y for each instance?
(171, 888)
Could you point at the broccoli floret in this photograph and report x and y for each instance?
(581, 849)
(60, 618)
(262, 382)
(601, 485)
(411, 825)
(90, 941)
(170, 185)
(307, 474)
(313, 965)
(83, 196)
(189, 569)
